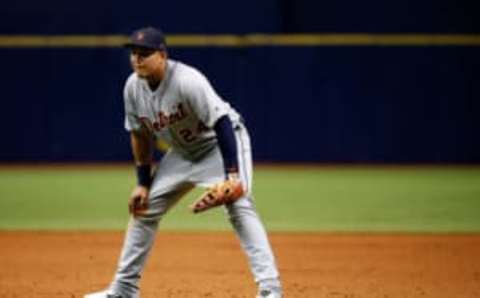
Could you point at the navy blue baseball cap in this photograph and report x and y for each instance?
(148, 37)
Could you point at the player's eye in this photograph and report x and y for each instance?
(143, 53)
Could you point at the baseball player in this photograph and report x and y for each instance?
(209, 147)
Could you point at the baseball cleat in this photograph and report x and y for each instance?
(268, 294)
(102, 294)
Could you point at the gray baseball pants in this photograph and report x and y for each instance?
(174, 178)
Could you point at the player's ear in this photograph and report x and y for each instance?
(163, 54)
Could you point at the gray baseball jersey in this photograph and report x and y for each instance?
(181, 111)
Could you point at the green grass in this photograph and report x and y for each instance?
(404, 199)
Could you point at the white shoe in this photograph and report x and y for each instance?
(102, 294)
(268, 294)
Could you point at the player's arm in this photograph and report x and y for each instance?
(228, 145)
(142, 148)
(213, 112)
(231, 189)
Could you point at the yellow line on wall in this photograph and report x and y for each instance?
(48, 41)
(249, 40)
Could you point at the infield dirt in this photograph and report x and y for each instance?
(210, 264)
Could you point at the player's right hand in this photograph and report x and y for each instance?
(138, 201)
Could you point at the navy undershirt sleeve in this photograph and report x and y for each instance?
(227, 143)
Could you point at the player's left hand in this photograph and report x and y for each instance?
(222, 193)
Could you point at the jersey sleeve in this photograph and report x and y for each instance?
(131, 115)
(202, 98)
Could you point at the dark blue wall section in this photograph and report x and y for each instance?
(302, 104)
(113, 16)
(219, 16)
(381, 16)
(63, 104)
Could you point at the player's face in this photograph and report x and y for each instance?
(148, 62)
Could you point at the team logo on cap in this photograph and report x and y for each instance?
(140, 36)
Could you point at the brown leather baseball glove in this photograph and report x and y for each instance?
(222, 193)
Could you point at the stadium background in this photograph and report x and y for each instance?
(368, 103)
(329, 82)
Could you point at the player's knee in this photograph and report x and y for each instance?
(241, 208)
(147, 219)
(150, 215)
(158, 207)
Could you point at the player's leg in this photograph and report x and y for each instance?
(249, 228)
(168, 186)
(243, 216)
(139, 240)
